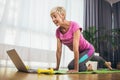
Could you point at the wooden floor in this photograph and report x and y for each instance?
(13, 74)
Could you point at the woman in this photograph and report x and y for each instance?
(69, 34)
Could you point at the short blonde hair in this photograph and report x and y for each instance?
(59, 10)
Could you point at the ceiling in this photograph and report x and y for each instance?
(112, 1)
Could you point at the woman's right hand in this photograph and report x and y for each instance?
(55, 68)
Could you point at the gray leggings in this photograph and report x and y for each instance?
(82, 65)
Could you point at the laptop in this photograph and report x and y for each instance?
(18, 62)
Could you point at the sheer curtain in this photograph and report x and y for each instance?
(26, 26)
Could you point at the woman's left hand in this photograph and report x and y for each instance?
(72, 71)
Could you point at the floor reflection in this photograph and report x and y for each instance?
(12, 74)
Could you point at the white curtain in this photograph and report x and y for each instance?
(26, 25)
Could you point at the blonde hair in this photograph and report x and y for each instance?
(59, 10)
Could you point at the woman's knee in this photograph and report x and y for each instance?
(82, 67)
(70, 66)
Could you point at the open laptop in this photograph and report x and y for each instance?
(18, 62)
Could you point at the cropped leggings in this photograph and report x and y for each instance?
(84, 57)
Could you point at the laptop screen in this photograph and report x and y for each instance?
(17, 60)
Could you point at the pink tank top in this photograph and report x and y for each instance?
(67, 38)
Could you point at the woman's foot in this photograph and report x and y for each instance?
(89, 67)
(108, 65)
